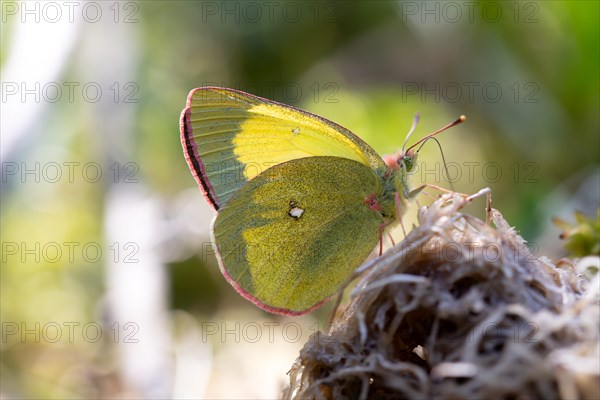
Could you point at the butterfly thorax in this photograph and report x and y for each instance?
(393, 181)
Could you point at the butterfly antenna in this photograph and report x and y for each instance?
(443, 159)
(459, 120)
(412, 129)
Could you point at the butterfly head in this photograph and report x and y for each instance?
(408, 160)
(404, 161)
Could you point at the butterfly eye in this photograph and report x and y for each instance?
(408, 162)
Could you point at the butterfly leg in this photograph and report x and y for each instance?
(381, 227)
(391, 239)
(487, 191)
(488, 208)
(418, 190)
(488, 202)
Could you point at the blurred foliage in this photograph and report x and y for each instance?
(368, 66)
(583, 236)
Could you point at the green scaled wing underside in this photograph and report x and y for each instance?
(294, 233)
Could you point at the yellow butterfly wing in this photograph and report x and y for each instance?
(290, 237)
(230, 137)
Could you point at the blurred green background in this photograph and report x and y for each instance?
(109, 288)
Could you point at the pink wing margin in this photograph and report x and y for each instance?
(257, 302)
(192, 157)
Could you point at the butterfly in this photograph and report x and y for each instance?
(301, 201)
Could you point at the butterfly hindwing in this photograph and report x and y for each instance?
(282, 238)
(229, 137)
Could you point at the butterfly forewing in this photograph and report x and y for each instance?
(230, 137)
